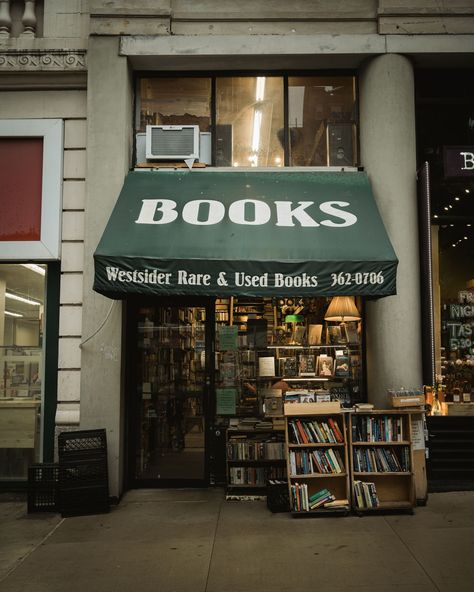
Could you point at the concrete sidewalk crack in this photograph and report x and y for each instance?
(213, 545)
(412, 554)
(25, 557)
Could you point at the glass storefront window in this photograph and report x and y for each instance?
(270, 349)
(453, 255)
(250, 129)
(22, 289)
(321, 120)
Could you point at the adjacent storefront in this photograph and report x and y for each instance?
(29, 306)
(446, 144)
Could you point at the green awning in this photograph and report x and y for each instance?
(259, 233)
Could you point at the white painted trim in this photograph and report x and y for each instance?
(52, 132)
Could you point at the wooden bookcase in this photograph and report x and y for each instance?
(298, 453)
(253, 456)
(381, 453)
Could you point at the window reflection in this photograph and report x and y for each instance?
(175, 101)
(321, 120)
(249, 121)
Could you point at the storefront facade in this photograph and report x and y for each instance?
(386, 101)
(129, 56)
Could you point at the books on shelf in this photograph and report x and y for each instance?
(351, 333)
(290, 367)
(307, 431)
(266, 366)
(380, 428)
(241, 447)
(381, 460)
(334, 335)
(301, 501)
(320, 498)
(341, 366)
(315, 461)
(365, 495)
(307, 365)
(255, 476)
(299, 396)
(325, 366)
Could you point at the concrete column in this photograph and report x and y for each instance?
(388, 152)
(109, 135)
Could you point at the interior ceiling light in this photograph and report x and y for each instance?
(12, 314)
(22, 299)
(34, 267)
(457, 198)
(467, 190)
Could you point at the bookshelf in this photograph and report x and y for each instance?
(381, 457)
(317, 460)
(253, 456)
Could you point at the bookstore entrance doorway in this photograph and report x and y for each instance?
(168, 394)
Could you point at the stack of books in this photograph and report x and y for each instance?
(302, 502)
(320, 498)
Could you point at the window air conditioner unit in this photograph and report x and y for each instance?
(172, 142)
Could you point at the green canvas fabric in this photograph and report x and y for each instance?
(212, 233)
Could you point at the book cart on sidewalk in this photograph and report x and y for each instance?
(382, 467)
(318, 476)
(341, 460)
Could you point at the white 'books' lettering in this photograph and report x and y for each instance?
(248, 212)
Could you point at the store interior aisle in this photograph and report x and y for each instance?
(193, 540)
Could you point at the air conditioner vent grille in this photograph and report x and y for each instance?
(171, 143)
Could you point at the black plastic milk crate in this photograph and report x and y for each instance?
(82, 444)
(84, 500)
(80, 473)
(43, 488)
(278, 496)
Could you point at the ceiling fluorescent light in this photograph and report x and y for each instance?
(12, 314)
(34, 267)
(22, 299)
(260, 89)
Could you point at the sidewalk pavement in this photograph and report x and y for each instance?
(195, 541)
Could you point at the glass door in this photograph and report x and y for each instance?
(170, 396)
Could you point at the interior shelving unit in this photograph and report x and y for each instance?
(254, 456)
(381, 453)
(302, 471)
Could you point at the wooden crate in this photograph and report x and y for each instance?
(408, 401)
(312, 408)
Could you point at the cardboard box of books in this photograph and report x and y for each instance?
(406, 398)
(312, 408)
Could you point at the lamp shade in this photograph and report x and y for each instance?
(342, 308)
